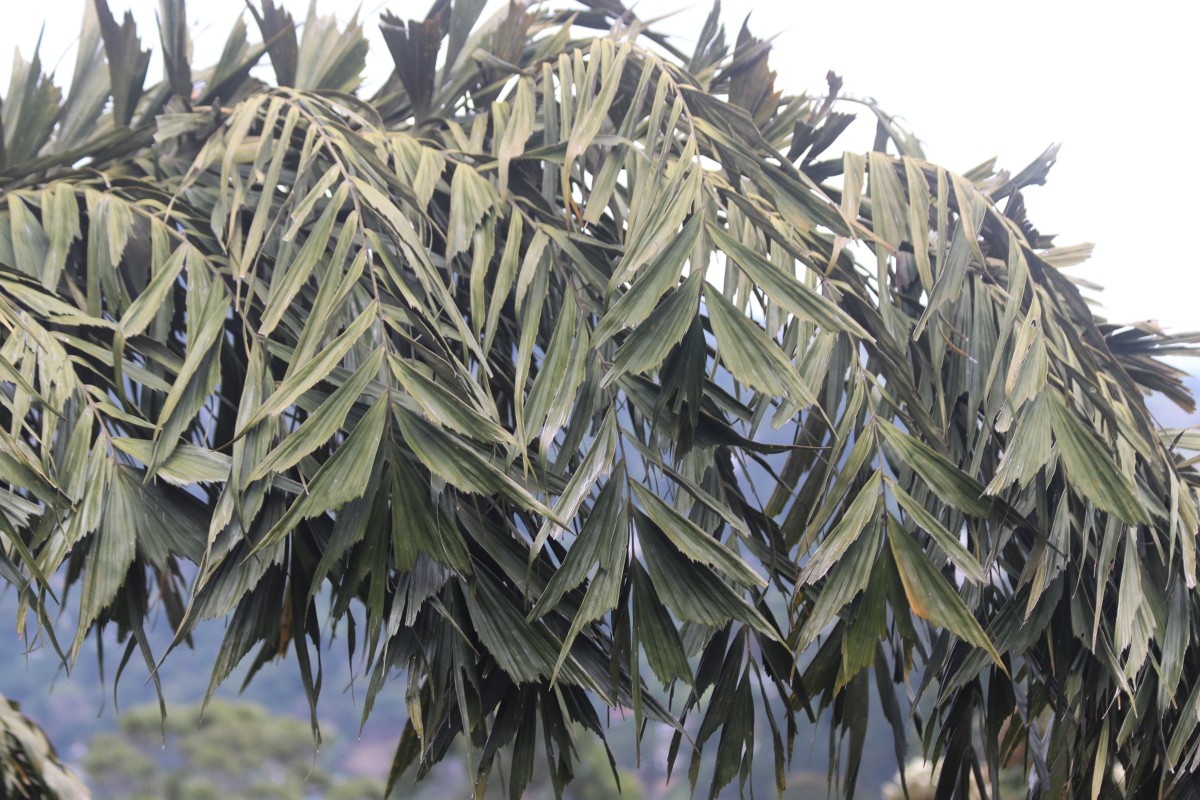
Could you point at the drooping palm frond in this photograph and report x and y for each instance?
(568, 367)
(29, 767)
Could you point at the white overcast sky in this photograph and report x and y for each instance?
(1113, 83)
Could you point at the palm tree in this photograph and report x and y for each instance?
(569, 371)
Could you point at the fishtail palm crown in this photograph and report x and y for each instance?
(568, 366)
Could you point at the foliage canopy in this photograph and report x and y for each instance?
(568, 367)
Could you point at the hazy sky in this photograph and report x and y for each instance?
(972, 80)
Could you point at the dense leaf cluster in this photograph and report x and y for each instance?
(29, 767)
(567, 368)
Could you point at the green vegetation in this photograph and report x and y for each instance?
(29, 767)
(235, 751)
(569, 371)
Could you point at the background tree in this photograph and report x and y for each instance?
(568, 366)
(234, 750)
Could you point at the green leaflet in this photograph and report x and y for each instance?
(794, 295)
(868, 625)
(208, 307)
(750, 354)
(597, 463)
(943, 478)
(447, 407)
(559, 409)
(695, 542)
(505, 274)
(1029, 367)
(186, 465)
(420, 527)
(113, 549)
(300, 380)
(339, 480)
(270, 147)
(1030, 446)
(931, 597)
(1090, 465)
(526, 651)
(471, 196)
(655, 221)
(602, 595)
(860, 512)
(652, 282)
(561, 373)
(864, 447)
(948, 542)
(459, 463)
(322, 424)
(145, 306)
(691, 590)
(287, 280)
(918, 217)
(648, 345)
(606, 522)
(300, 214)
(60, 218)
(520, 127)
(29, 241)
(656, 630)
(888, 204)
(587, 124)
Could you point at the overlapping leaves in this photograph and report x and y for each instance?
(481, 362)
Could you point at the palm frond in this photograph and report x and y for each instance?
(545, 357)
